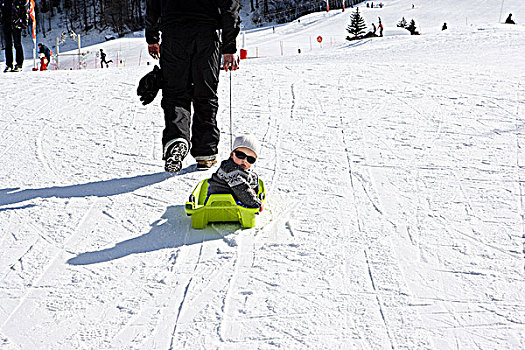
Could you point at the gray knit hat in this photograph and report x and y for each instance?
(249, 141)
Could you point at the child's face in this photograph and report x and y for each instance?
(243, 163)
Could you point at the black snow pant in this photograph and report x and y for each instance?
(190, 62)
(13, 36)
(103, 61)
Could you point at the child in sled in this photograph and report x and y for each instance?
(43, 61)
(234, 175)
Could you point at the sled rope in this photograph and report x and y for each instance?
(231, 118)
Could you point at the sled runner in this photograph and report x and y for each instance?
(219, 207)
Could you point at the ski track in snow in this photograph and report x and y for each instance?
(394, 214)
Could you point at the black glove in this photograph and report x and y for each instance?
(149, 85)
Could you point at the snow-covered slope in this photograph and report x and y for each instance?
(394, 218)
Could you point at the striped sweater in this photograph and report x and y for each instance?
(242, 184)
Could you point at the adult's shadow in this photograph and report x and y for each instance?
(99, 189)
(172, 230)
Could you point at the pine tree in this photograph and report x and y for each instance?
(412, 28)
(402, 23)
(357, 25)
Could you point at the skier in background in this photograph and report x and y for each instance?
(103, 60)
(380, 27)
(14, 17)
(509, 19)
(190, 62)
(445, 27)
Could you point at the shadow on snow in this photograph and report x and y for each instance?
(99, 189)
(172, 230)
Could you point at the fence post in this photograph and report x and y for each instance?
(58, 53)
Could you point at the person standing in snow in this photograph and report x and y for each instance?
(190, 63)
(445, 27)
(509, 19)
(14, 17)
(45, 56)
(103, 60)
(380, 27)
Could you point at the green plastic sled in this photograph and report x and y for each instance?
(219, 207)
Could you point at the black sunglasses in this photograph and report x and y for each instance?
(242, 155)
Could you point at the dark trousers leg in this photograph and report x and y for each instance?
(205, 76)
(17, 41)
(8, 45)
(175, 61)
(189, 59)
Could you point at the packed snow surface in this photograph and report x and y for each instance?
(395, 174)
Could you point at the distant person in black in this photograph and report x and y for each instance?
(509, 19)
(14, 17)
(444, 26)
(103, 60)
(45, 50)
(190, 58)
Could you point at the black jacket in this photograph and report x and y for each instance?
(163, 15)
(16, 12)
(242, 184)
(45, 50)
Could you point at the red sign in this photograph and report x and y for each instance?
(319, 39)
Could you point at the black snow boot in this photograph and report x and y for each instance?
(175, 156)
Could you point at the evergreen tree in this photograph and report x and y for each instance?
(357, 25)
(412, 28)
(402, 23)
